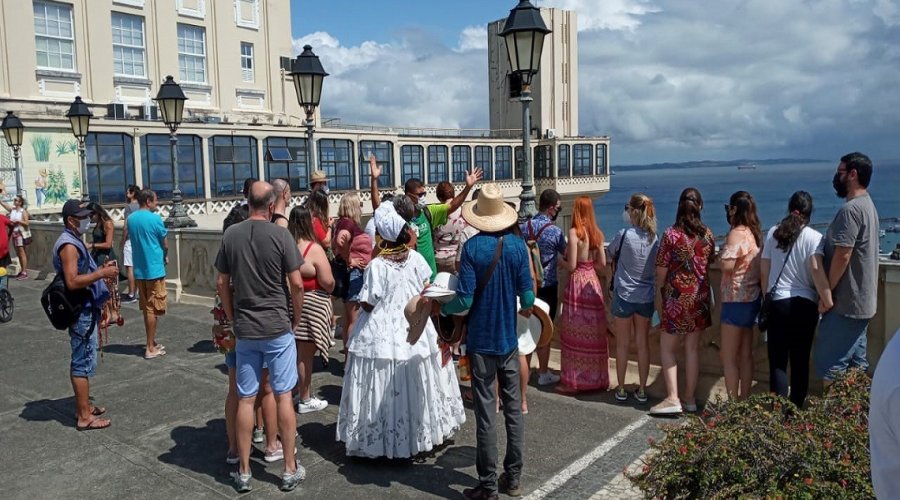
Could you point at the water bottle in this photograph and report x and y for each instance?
(463, 365)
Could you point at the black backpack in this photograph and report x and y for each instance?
(238, 213)
(62, 306)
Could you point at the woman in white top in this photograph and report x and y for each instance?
(792, 270)
(21, 236)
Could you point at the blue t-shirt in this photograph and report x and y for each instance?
(551, 241)
(146, 233)
(492, 318)
(636, 266)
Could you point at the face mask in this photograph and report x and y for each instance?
(83, 225)
(626, 217)
(555, 214)
(839, 187)
(325, 189)
(420, 205)
(91, 226)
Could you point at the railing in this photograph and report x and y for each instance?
(426, 131)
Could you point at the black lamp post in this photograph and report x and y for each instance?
(524, 34)
(170, 100)
(79, 116)
(13, 130)
(308, 75)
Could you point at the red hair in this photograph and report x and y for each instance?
(584, 223)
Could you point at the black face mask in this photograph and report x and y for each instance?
(839, 187)
(555, 215)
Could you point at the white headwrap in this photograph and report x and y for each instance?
(388, 222)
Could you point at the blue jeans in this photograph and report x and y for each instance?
(623, 309)
(278, 354)
(84, 342)
(840, 345)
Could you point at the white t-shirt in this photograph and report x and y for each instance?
(884, 422)
(370, 230)
(797, 280)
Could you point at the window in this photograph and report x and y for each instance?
(232, 159)
(484, 161)
(247, 61)
(462, 162)
(156, 165)
(601, 160)
(563, 164)
(192, 53)
(520, 161)
(110, 166)
(437, 164)
(503, 164)
(384, 156)
(288, 158)
(54, 37)
(411, 161)
(543, 162)
(246, 13)
(336, 159)
(128, 45)
(582, 159)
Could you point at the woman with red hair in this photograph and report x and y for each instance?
(582, 334)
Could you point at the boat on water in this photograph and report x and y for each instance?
(747, 167)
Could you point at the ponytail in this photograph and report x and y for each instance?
(645, 213)
(800, 209)
(687, 219)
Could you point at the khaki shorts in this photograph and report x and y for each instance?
(153, 296)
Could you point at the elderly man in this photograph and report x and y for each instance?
(259, 255)
(282, 202)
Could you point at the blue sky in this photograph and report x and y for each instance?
(668, 80)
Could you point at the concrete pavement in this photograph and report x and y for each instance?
(167, 439)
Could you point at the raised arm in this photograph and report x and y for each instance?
(472, 177)
(375, 172)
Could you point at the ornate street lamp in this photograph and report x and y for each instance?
(13, 130)
(524, 34)
(308, 75)
(79, 116)
(170, 101)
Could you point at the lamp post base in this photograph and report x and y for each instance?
(178, 216)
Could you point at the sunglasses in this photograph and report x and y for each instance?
(421, 194)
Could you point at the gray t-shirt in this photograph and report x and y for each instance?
(636, 266)
(130, 208)
(258, 255)
(855, 226)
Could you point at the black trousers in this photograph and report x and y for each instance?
(792, 326)
(549, 295)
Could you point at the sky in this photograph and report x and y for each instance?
(668, 80)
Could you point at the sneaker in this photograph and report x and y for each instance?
(22, 276)
(276, 455)
(289, 481)
(127, 299)
(640, 395)
(480, 493)
(666, 407)
(232, 460)
(509, 485)
(241, 481)
(547, 378)
(691, 408)
(311, 405)
(621, 395)
(258, 435)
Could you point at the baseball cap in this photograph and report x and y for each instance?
(73, 208)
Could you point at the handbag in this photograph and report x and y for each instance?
(765, 309)
(341, 272)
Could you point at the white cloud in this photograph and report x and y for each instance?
(666, 79)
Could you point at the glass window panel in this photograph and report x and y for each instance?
(563, 163)
(582, 159)
(287, 159)
(484, 161)
(411, 162)
(233, 160)
(601, 160)
(110, 166)
(503, 163)
(438, 169)
(384, 156)
(156, 163)
(461, 162)
(335, 159)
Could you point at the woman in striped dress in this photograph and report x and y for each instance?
(313, 334)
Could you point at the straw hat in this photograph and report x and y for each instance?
(318, 176)
(536, 330)
(44, 172)
(417, 312)
(489, 213)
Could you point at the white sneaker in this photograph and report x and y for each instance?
(311, 405)
(666, 408)
(548, 378)
(258, 435)
(277, 455)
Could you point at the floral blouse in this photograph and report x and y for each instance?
(685, 292)
(742, 283)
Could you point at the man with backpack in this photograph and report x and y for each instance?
(86, 293)
(545, 243)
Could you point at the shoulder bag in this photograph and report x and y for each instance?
(765, 309)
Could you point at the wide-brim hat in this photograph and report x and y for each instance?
(536, 330)
(44, 172)
(541, 311)
(318, 176)
(489, 213)
(417, 312)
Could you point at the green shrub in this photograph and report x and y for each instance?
(765, 448)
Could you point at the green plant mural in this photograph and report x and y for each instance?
(66, 147)
(57, 192)
(41, 146)
(76, 183)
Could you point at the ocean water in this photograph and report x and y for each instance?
(770, 185)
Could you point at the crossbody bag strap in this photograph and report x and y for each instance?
(486, 277)
(786, 257)
(615, 261)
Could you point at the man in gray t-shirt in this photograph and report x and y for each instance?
(254, 259)
(850, 248)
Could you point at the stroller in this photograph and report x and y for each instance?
(6, 298)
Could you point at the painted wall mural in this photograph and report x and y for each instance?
(51, 173)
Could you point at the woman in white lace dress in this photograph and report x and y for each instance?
(398, 399)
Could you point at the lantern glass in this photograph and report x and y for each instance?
(80, 125)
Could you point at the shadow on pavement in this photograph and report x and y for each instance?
(125, 349)
(46, 410)
(203, 346)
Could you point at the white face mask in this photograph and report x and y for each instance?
(626, 217)
(325, 189)
(84, 225)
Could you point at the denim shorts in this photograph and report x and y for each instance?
(623, 309)
(356, 284)
(740, 314)
(840, 344)
(231, 359)
(279, 354)
(84, 342)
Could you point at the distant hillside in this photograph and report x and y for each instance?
(719, 163)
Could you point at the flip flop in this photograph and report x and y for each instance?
(95, 424)
(156, 354)
(97, 410)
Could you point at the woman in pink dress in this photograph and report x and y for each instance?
(582, 334)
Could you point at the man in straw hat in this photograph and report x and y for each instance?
(493, 271)
(318, 180)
